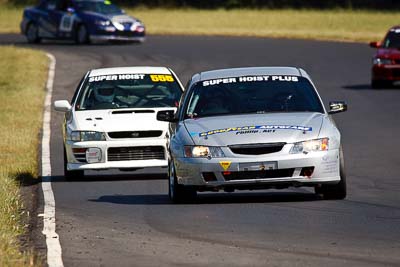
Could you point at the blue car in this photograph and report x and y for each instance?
(83, 21)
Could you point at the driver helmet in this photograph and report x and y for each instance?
(105, 94)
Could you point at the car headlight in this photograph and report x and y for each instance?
(140, 28)
(203, 152)
(79, 136)
(137, 27)
(103, 22)
(310, 145)
(382, 61)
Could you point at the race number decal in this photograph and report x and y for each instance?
(161, 78)
(67, 21)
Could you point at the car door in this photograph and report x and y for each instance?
(63, 18)
(47, 28)
(55, 21)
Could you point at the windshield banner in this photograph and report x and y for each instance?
(264, 78)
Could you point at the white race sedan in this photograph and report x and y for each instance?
(111, 122)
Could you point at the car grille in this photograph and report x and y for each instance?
(257, 149)
(80, 157)
(79, 154)
(127, 25)
(129, 34)
(134, 134)
(251, 175)
(136, 153)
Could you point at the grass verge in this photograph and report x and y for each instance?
(22, 79)
(337, 24)
(10, 18)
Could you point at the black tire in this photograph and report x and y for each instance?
(178, 193)
(335, 191)
(71, 175)
(378, 84)
(32, 34)
(81, 35)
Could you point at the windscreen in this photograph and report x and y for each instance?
(129, 91)
(392, 39)
(99, 7)
(252, 94)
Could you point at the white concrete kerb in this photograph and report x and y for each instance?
(54, 252)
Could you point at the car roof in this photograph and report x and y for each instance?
(236, 72)
(129, 70)
(87, 0)
(395, 29)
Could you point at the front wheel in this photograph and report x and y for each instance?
(71, 175)
(82, 35)
(32, 34)
(378, 84)
(177, 192)
(335, 191)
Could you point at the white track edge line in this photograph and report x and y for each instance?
(54, 258)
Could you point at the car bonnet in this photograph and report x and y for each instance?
(255, 128)
(119, 120)
(121, 18)
(391, 53)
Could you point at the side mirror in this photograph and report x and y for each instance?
(375, 44)
(337, 106)
(166, 115)
(62, 106)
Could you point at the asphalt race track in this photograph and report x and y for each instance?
(128, 220)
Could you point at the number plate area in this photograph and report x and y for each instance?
(258, 166)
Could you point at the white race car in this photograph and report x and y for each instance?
(111, 122)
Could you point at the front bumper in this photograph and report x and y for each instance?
(386, 73)
(95, 38)
(23, 25)
(242, 171)
(101, 34)
(136, 158)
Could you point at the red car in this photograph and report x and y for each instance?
(386, 61)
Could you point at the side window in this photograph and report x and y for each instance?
(42, 4)
(63, 5)
(188, 84)
(179, 111)
(51, 5)
(78, 89)
(183, 105)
